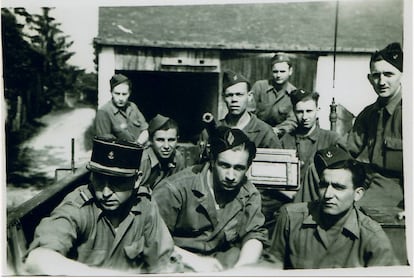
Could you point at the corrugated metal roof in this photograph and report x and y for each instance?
(363, 26)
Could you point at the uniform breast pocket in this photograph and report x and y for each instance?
(135, 250)
(231, 231)
(393, 154)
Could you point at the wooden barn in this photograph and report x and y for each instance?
(174, 54)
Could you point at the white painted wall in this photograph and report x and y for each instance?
(105, 72)
(352, 88)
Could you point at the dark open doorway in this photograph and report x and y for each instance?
(183, 96)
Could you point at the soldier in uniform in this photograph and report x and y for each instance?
(376, 136)
(212, 211)
(307, 138)
(271, 96)
(108, 227)
(120, 118)
(236, 95)
(330, 232)
(161, 159)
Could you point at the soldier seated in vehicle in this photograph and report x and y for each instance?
(330, 232)
(120, 118)
(108, 227)
(212, 211)
(161, 159)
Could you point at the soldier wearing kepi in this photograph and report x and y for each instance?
(376, 136)
(161, 159)
(108, 227)
(271, 96)
(212, 211)
(330, 232)
(120, 118)
(236, 95)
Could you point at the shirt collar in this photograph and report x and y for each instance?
(350, 225)
(287, 88)
(116, 110)
(313, 136)
(155, 161)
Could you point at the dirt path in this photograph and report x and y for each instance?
(51, 149)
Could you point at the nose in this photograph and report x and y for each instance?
(106, 191)
(230, 175)
(328, 194)
(381, 79)
(165, 145)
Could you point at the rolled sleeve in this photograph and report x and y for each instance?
(159, 244)
(59, 231)
(254, 220)
(278, 244)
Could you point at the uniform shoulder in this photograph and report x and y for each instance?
(368, 110)
(262, 82)
(106, 107)
(368, 224)
(262, 125)
(294, 208)
(79, 196)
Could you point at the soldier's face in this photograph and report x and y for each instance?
(337, 191)
(120, 95)
(229, 169)
(237, 98)
(164, 142)
(281, 72)
(384, 78)
(111, 192)
(306, 113)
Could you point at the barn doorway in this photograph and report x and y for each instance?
(183, 96)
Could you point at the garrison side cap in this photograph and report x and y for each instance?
(230, 78)
(299, 94)
(115, 157)
(226, 138)
(117, 79)
(156, 123)
(333, 157)
(392, 54)
(281, 57)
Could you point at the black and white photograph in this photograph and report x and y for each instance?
(207, 138)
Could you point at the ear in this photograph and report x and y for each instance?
(138, 179)
(369, 77)
(358, 193)
(290, 71)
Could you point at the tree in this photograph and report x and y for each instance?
(46, 37)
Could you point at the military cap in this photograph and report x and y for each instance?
(115, 157)
(392, 53)
(299, 94)
(280, 57)
(225, 138)
(333, 157)
(156, 123)
(230, 78)
(118, 79)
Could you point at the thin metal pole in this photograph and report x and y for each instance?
(335, 39)
(72, 165)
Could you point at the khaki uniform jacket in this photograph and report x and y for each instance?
(77, 229)
(187, 207)
(300, 243)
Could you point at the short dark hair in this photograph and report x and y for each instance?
(307, 96)
(169, 124)
(248, 146)
(357, 170)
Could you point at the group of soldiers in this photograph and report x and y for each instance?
(142, 212)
